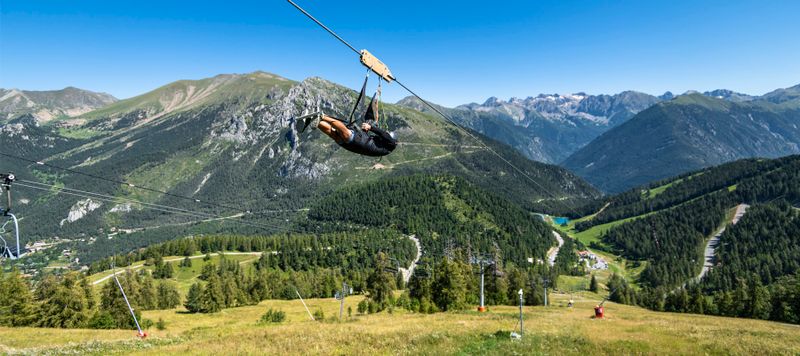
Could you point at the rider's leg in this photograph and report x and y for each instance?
(338, 130)
(342, 130)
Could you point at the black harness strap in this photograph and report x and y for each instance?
(358, 101)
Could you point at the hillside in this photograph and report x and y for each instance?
(49, 105)
(688, 133)
(668, 226)
(552, 330)
(230, 141)
(441, 211)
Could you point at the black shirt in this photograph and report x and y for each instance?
(379, 144)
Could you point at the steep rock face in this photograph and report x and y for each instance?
(690, 132)
(49, 105)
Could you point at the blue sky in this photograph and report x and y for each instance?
(449, 52)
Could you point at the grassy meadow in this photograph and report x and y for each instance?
(556, 329)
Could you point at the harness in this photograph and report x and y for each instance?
(375, 118)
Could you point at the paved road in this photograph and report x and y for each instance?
(408, 272)
(709, 256)
(553, 252)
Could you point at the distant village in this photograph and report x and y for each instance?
(592, 261)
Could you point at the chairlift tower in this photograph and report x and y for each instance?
(6, 179)
(483, 261)
(346, 289)
(545, 281)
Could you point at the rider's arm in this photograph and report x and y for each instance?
(383, 134)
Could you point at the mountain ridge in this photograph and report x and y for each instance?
(48, 105)
(686, 133)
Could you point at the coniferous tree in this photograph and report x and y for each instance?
(168, 296)
(193, 298)
(450, 286)
(66, 307)
(88, 293)
(16, 300)
(379, 282)
(113, 303)
(212, 299)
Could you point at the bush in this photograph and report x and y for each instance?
(161, 324)
(362, 306)
(319, 315)
(146, 323)
(102, 320)
(273, 316)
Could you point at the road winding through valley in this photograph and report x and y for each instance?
(709, 256)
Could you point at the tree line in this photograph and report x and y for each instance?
(69, 301)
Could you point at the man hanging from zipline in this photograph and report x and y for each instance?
(368, 140)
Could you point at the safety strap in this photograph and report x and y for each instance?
(358, 101)
(377, 111)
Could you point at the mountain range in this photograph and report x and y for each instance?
(690, 132)
(548, 127)
(231, 140)
(620, 141)
(49, 105)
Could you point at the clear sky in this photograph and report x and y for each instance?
(451, 52)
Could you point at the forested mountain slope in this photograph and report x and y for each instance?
(687, 133)
(667, 224)
(230, 140)
(445, 212)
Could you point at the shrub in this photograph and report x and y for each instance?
(161, 324)
(362, 306)
(273, 316)
(102, 320)
(319, 315)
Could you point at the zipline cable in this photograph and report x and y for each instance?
(506, 161)
(325, 27)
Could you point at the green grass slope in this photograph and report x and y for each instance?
(548, 330)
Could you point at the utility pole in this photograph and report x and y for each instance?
(482, 308)
(341, 296)
(545, 281)
(521, 328)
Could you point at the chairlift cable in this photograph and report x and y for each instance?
(166, 209)
(131, 185)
